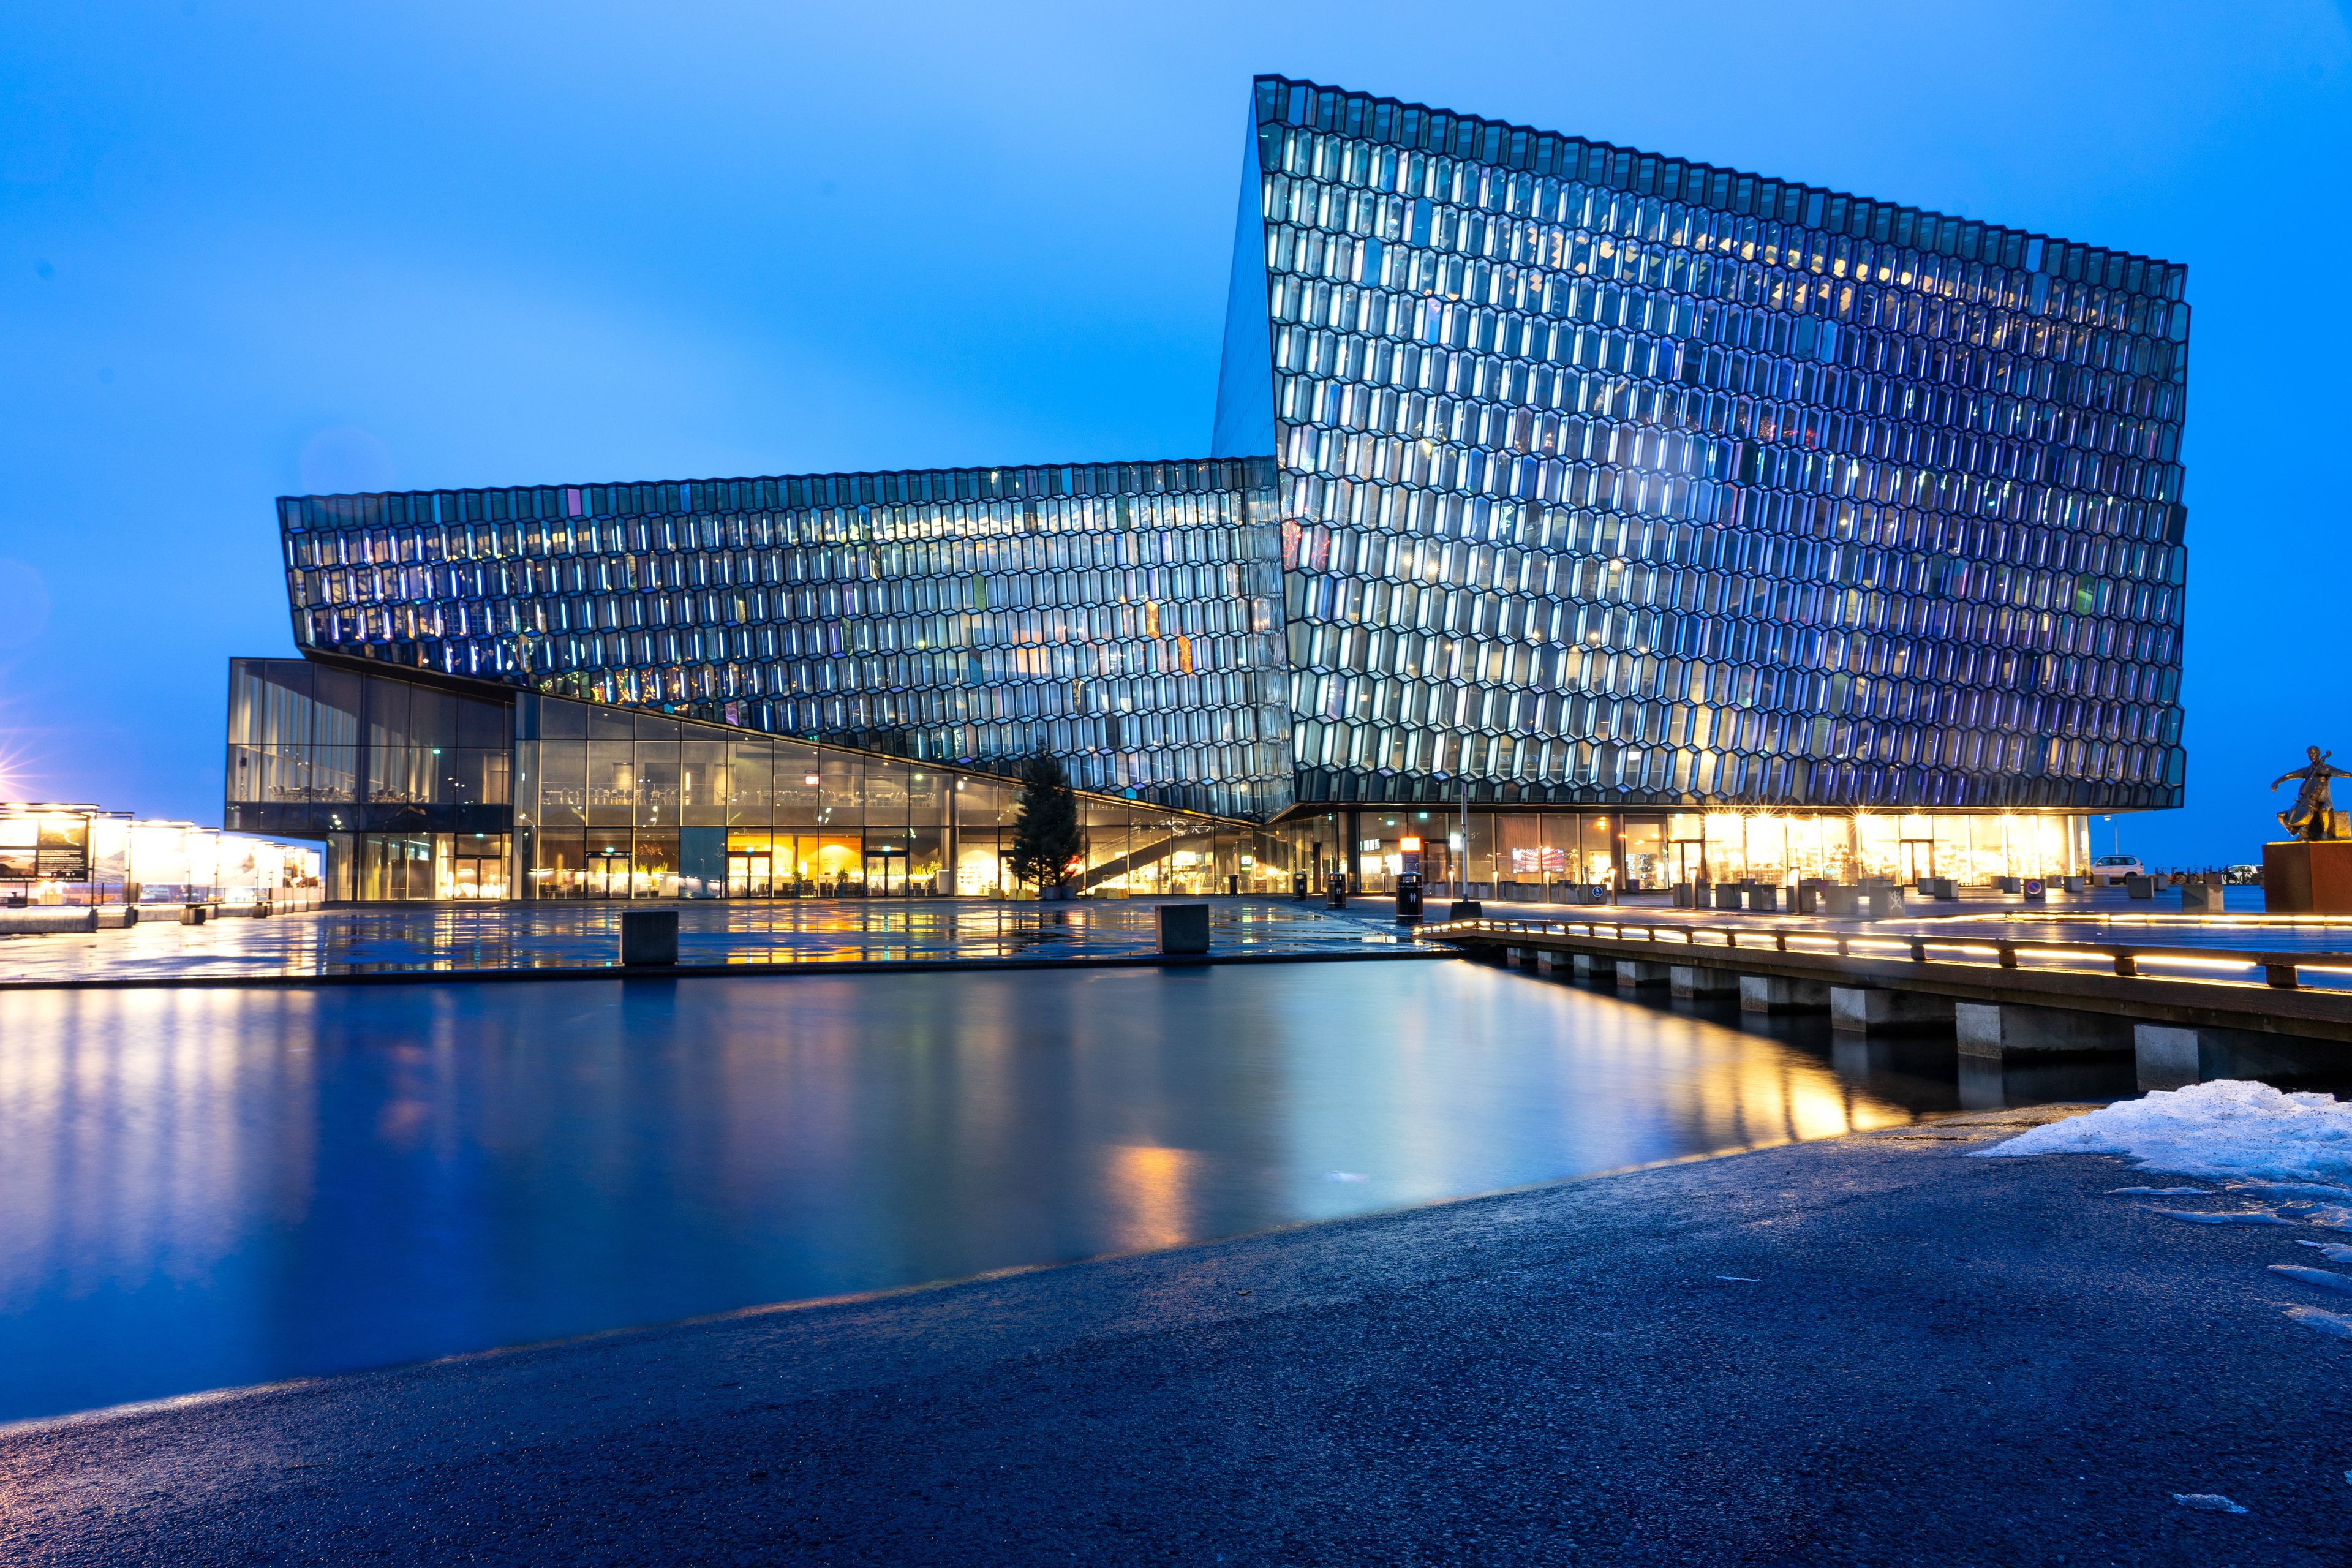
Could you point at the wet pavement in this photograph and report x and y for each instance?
(467, 938)
(1871, 1351)
(218, 1186)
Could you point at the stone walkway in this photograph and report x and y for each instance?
(1867, 1350)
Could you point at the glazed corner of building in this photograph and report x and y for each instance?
(1600, 479)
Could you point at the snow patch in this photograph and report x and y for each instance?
(2290, 1190)
(2164, 1192)
(2336, 1324)
(2318, 1276)
(2208, 1502)
(2242, 1217)
(2334, 1251)
(2221, 1129)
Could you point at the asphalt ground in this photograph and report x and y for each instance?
(1920, 1358)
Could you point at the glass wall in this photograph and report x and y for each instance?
(618, 803)
(1533, 856)
(313, 748)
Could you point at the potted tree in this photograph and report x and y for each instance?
(1046, 839)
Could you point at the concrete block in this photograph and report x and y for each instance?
(1594, 966)
(2200, 897)
(1640, 971)
(1771, 993)
(649, 936)
(1694, 981)
(1183, 928)
(50, 918)
(2164, 1056)
(2002, 1029)
(1867, 1010)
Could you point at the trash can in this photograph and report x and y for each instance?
(1299, 886)
(1233, 887)
(1335, 893)
(1408, 900)
(649, 937)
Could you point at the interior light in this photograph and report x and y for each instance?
(810, 780)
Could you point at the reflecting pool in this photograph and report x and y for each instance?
(214, 1187)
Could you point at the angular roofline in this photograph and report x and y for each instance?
(1005, 481)
(1325, 108)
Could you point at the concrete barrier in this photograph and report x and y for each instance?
(51, 919)
(1183, 928)
(649, 936)
(2173, 1056)
(1867, 1010)
(1699, 983)
(1640, 971)
(2164, 1056)
(117, 917)
(2004, 1028)
(1771, 993)
(2200, 898)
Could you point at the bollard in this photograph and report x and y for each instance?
(1183, 928)
(649, 937)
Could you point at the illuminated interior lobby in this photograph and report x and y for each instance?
(1685, 524)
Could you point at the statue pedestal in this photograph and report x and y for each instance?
(2301, 878)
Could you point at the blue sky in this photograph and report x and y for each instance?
(249, 249)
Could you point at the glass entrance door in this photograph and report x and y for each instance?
(885, 873)
(478, 876)
(749, 876)
(1918, 860)
(1646, 865)
(608, 874)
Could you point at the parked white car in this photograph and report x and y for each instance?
(2115, 868)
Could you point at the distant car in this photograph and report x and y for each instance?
(2242, 874)
(2115, 868)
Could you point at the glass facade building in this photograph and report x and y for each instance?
(1612, 479)
(1682, 522)
(425, 788)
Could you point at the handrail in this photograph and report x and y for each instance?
(2281, 971)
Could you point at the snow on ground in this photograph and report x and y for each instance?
(2220, 1130)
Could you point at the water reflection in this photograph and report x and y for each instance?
(216, 1187)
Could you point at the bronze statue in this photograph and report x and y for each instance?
(2312, 817)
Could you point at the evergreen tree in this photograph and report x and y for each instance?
(1046, 840)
